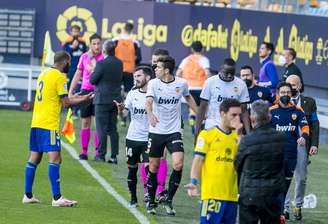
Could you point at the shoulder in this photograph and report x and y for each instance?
(298, 108)
(274, 107)
(308, 99)
(180, 80)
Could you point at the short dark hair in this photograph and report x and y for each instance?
(76, 27)
(110, 46)
(94, 36)
(282, 84)
(61, 56)
(269, 46)
(168, 62)
(128, 27)
(160, 51)
(247, 67)
(197, 46)
(292, 52)
(228, 103)
(147, 70)
(229, 62)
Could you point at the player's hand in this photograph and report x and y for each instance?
(236, 124)
(153, 120)
(313, 150)
(120, 106)
(87, 97)
(192, 190)
(301, 141)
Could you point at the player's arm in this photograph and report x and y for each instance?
(75, 99)
(191, 103)
(200, 117)
(77, 77)
(149, 108)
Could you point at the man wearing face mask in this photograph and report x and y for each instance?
(288, 60)
(255, 92)
(308, 104)
(268, 76)
(290, 119)
(217, 88)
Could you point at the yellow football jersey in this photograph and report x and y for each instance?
(51, 86)
(219, 178)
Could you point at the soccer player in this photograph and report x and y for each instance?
(85, 67)
(51, 95)
(213, 167)
(268, 76)
(255, 91)
(289, 119)
(137, 136)
(217, 88)
(163, 107)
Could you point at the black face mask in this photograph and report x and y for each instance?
(294, 92)
(66, 69)
(248, 82)
(285, 99)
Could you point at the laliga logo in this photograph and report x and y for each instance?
(75, 16)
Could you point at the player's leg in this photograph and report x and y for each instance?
(85, 134)
(230, 212)
(31, 165)
(175, 147)
(289, 166)
(156, 145)
(161, 178)
(143, 174)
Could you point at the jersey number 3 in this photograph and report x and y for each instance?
(40, 91)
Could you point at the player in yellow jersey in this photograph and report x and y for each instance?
(213, 166)
(51, 95)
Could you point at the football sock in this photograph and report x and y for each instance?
(161, 176)
(174, 183)
(143, 173)
(132, 181)
(85, 139)
(152, 186)
(30, 169)
(53, 173)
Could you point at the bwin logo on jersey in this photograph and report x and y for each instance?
(289, 127)
(168, 101)
(139, 111)
(221, 98)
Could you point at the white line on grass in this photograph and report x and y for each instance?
(141, 218)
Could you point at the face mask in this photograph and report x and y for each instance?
(294, 92)
(285, 99)
(248, 82)
(65, 70)
(282, 60)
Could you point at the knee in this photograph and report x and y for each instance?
(178, 165)
(153, 166)
(86, 123)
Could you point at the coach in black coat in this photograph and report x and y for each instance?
(259, 163)
(107, 77)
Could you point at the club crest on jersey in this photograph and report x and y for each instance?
(228, 151)
(294, 116)
(177, 89)
(259, 94)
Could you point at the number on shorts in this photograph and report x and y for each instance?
(149, 145)
(40, 91)
(128, 152)
(214, 206)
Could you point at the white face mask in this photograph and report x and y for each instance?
(282, 60)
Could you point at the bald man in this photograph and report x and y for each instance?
(308, 104)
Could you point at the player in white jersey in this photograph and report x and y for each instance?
(137, 136)
(217, 88)
(163, 105)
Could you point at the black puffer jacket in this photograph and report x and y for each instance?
(259, 163)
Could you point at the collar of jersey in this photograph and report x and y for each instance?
(168, 81)
(224, 132)
(142, 91)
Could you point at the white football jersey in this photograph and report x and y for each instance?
(216, 90)
(135, 103)
(167, 104)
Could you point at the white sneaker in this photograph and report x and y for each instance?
(32, 200)
(63, 202)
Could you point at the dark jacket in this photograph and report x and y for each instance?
(259, 164)
(107, 77)
(292, 69)
(309, 106)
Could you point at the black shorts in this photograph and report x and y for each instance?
(135, 150)
(127, 81)
(157, 143)
(196, 95)
(87, 109)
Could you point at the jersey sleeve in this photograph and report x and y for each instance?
(244, 95)
(80, 65)
(206, 93)
(185, 91)
(201, 147)
(150, 89)
(204, 63)
(182, 64)
(62, 86)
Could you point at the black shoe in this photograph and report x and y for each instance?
(83, 157)
(297, 213)
(161, 197)
(169, 208)
(133, 203)
(151, 208)
(286, 214)
(112, 161)
(99, 159)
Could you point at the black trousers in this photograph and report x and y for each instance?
(106, 119)
(265, 210)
